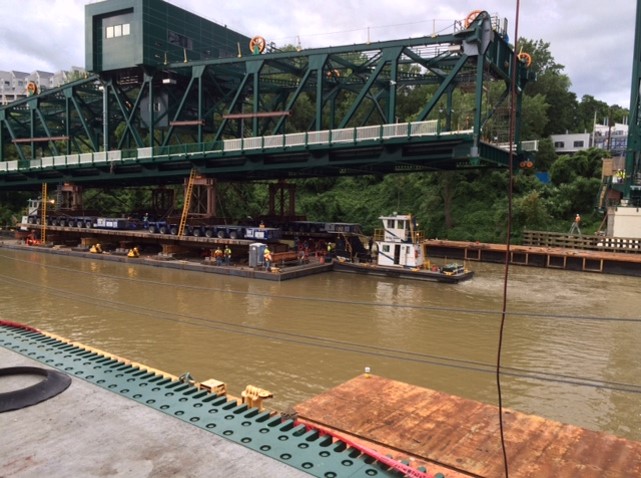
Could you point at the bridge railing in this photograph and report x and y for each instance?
(342, 136)
(529, 145)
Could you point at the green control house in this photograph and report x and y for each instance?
(122, 34)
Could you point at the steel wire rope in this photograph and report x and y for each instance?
(508, 234)
(344, 346)
(459, 310)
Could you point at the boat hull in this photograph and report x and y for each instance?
(400, 272)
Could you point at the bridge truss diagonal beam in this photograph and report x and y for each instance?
(178, 114)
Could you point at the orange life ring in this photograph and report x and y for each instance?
(529, 164)
(257, 44)
(522, 164)
(32, 88)
(526, 58)
(471, 17)
(434, 268)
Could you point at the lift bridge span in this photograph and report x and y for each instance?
(373, 108)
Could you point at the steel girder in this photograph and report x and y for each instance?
(206, 102)
(632, 184)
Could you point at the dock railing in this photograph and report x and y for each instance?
(625, 245)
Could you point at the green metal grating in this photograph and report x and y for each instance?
(271, 435)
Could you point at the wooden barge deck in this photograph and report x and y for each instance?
(553, 251)
(460, 437)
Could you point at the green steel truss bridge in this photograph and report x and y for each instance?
(276, 115)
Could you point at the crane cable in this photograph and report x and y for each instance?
(508, 236)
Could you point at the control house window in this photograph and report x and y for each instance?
(114, 31)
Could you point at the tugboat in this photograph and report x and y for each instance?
(400, 253)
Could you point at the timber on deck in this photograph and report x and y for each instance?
(462, 436)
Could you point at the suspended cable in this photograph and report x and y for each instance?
(508, 241)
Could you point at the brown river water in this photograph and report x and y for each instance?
(571, 342)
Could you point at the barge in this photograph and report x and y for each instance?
(550, 250)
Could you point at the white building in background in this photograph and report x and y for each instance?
(13, 84)
(613, 139)
(570, 143)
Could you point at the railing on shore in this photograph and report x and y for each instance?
(585, 242)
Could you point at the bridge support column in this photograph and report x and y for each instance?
(203, 198)
(69, 196)
(163, 200)
(278, 192)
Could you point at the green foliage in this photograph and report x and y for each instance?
(586, 163)
(12, 207)
(545, 156)
(552, 85)
(535, 117)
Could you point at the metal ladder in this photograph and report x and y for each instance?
(187, 201)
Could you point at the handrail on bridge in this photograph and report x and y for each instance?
(343, 136)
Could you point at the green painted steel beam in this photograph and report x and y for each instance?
(632, 182)
(175, 104)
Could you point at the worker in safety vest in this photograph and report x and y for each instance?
(227, 254)
(134, 252)
(218, 256)
(268, 259)
(575, 225)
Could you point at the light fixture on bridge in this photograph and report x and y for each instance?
(168, 81)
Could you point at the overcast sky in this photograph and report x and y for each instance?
(593, 39)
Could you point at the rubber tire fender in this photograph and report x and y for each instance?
(54, 383)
